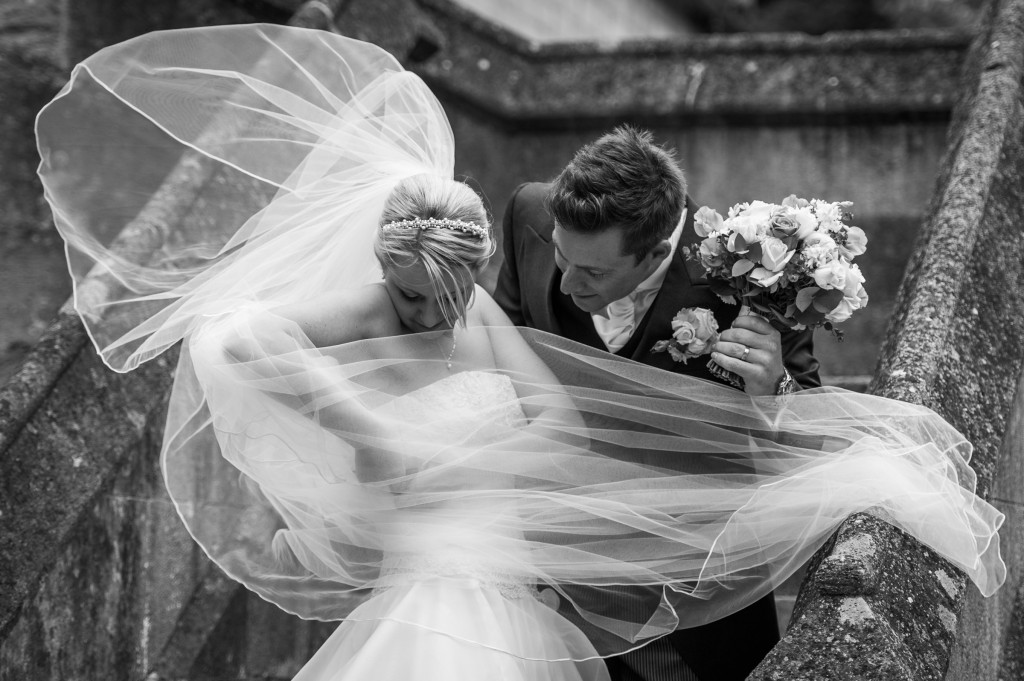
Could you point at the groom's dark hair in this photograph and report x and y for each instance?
(622, 180)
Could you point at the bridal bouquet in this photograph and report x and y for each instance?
(792, 262)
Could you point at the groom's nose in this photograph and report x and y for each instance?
(571, 280)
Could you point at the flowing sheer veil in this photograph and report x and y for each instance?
(649, 501)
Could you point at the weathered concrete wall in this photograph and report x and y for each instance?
(858, 117)
(98, 578)
(29, 76)
(90, 543)
(40, 40)
(39, 43)
(990, 639)
(879, 606)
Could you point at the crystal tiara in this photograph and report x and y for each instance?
(437, 223)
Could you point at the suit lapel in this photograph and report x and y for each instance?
(539, 262)
(657, 322)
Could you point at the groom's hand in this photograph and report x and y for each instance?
(761, 367)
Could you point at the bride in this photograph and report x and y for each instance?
(357, 433)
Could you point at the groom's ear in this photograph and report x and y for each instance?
(660, 251)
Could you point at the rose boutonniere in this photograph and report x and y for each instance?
(694, 331)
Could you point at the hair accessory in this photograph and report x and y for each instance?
(437, 223)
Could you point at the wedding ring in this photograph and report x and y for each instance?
(743, 357)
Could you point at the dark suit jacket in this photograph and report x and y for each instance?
(528, 291)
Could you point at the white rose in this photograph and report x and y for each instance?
(856, 243)
(793, 201)
(774, 254)
(764, 277)
(854, 281)
(806, 222)
(841, 312)
(848, 305)
(697, 346)
(711, 253)
(744, 226)
(759, 211)
(831, 275)
(683, 331)
(694, 329)
(706, 220)
(819, 238)
(707, 325)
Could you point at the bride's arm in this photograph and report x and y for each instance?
(277, 349)
(541, 393)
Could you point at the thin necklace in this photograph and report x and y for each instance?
(448, 361)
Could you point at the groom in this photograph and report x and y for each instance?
(597, 257)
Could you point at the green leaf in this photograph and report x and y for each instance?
(741, 267)
(755, 252)
(805, 297)
(760, 307)
(826, 301)
(721, 288)
(810, 317)
(785, 319)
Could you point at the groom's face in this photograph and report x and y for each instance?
(595, 271)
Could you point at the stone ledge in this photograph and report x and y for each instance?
(960, 292)
(899, 74)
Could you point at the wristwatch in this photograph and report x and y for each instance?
(786, 384)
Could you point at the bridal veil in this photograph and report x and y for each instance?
(649, 501)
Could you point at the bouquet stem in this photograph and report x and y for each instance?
(723, 374)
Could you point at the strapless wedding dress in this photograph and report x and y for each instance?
(449, 604)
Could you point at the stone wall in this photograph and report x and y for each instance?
(877, 605)
(97, 578)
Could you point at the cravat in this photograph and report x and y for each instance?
(623, 315)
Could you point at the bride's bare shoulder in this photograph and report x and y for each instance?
(487, 311)
(345, 316)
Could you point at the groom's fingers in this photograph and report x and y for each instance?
(734, 361)
(754, 333)
(753, 322)
(762, 366)
(734, 350)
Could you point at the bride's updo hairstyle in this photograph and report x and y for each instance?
(443, 225)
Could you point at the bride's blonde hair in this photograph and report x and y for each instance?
(442, 224)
